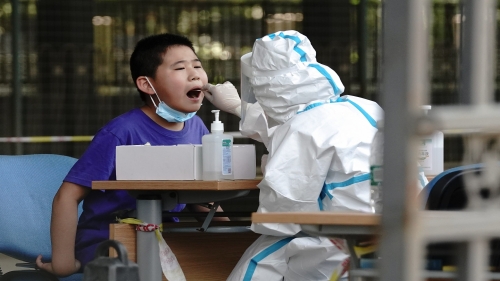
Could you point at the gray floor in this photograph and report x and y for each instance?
(8, 264)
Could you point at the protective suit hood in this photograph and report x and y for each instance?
(286, 78)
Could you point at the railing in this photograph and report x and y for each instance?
(40, 139)
(405, 229)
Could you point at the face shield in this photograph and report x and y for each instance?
(247, 94)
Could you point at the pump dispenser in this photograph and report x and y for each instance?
(216, 125)
(217, 150)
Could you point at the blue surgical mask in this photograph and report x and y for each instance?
(168, 113)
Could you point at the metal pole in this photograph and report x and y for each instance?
(16, 79)
(362, 7)
(478, 61)
(478, 52)
(148, 251)
(473, 259)
(404, 90)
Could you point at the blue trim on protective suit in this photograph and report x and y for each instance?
(311, 106)
(323, 192)
(327, 75)
(367, 116)
(252, 266)
(322, 196)
(295, 48)
(356, 179)
(340, 99)
(294, 38)
(320, 204)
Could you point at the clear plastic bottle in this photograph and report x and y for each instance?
(217, 152)
(376, 170)
(431, 154)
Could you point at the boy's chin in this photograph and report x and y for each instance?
(192, 109)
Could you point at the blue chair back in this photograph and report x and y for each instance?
(28, 184)
(447, 190)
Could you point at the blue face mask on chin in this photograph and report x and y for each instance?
(172, 115)
(168, 113)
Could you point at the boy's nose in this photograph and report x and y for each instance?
(193, 75)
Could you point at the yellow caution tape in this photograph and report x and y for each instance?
(169, 264)
(360, 251)
(133, 221)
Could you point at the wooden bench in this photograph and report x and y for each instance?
(203, 256)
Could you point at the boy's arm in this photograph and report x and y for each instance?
(199, 208)
(63, 230)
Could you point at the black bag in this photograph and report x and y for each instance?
(104, 268)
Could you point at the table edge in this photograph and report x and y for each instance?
(318, 218)
(175, 185)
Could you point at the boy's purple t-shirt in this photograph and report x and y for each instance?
(98, 163)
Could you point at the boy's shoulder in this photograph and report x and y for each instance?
(126, 122)
(129, 118)
(136, 117)
(136, 122)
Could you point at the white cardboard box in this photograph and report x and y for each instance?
(166, 162)
(244, 161)
(176, 162)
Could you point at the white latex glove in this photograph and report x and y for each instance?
(224, 96)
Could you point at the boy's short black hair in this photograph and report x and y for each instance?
(148, 55)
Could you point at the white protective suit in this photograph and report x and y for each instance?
(319, 148)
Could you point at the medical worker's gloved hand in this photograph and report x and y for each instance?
(224, 96)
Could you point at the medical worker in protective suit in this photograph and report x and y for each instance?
(319, 148)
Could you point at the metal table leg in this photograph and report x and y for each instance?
(354, 261)
(210, 216)
(149, 211)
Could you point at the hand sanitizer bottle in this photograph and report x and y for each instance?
(431, 152)
(376, 169)
(217, 152)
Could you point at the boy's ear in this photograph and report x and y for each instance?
(143, 85)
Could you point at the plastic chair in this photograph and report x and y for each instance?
(28, 184)
(446, 192)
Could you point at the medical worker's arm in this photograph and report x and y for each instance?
(63, 230)
(297, 166)
(225, 97)
(294, 177)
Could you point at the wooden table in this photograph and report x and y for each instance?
(154, 196)
(364, 224)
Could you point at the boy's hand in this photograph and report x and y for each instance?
(48, 267)
(224, 96)
(44, 266)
